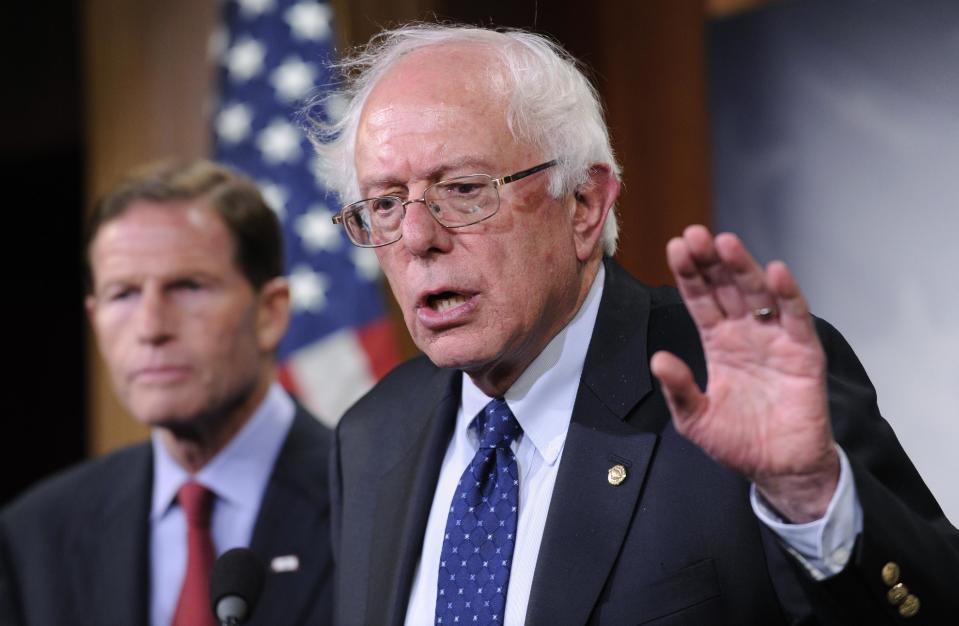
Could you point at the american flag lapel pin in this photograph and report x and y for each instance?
(285, 563)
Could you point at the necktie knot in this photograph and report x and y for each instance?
(496, 426)
(196, 502)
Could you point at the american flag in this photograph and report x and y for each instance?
(272, 56)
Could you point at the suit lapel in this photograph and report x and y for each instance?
(293, 522)
(580, 547)
(404, 498)
(116, 545)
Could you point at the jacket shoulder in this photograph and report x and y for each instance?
(75, 491)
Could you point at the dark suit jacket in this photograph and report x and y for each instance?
(75, 549)
(677, 541)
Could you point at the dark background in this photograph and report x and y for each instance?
(41, 157)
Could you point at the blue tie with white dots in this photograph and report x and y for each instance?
(481, 527)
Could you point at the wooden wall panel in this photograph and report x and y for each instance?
(147, 79)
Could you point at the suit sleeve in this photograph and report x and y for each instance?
(906, 560)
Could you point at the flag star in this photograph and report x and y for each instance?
(317, 230)
(275, 197)
(234, 122)
(308, 289)
(245, 59)
(279, 142)
(309, 20)
(293, 79)
(336, 106)
(255, 8)
(365, 262)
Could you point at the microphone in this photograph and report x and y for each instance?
(235, 585)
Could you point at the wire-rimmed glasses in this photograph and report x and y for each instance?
(454, 203)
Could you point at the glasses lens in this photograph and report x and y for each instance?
(374, 222)
(463, 201)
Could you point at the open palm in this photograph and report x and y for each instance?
(764, 412)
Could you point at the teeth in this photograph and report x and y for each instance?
(442, 305)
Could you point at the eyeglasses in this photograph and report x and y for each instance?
(454, 203)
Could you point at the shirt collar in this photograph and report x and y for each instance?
(542, 397)
(239, 472)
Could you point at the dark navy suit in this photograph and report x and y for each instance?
(75, 549)
(677, 542)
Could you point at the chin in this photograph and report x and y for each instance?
(450, 352)
(164, 414)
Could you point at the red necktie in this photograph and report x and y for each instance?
(193, 608)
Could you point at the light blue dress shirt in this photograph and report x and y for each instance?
(542, 401)
(238, 476)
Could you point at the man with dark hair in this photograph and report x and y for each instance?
(576, 447)
(188, 304)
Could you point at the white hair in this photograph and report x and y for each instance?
(551, 105)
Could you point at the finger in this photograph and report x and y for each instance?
(697, 294)
(711, 265)
(794, 312)
(746, 274)
(683, 397)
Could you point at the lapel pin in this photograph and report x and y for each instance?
(616, 475)
(286, 563)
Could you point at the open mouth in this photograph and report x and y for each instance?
(445, 301)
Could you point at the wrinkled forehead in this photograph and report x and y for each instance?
(445, 102)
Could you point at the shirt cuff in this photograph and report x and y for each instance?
(824, 546)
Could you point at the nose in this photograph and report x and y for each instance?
(154, 317)
(422, 233)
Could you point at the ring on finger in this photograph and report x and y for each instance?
(764, 313)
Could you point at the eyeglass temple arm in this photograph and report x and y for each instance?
(518, 175)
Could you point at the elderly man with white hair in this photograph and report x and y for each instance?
(576, 447)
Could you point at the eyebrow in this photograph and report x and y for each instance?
(436, 174)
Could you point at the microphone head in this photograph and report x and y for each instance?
(235, 585)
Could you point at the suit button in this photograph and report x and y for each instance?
(890, 573)
(897, 594)
(909, 606)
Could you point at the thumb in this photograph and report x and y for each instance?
(683, 397)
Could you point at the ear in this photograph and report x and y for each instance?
(592, 201)
(90, 304)
(273, 313)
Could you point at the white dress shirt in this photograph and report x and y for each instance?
(237, 476)
(542, 402)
